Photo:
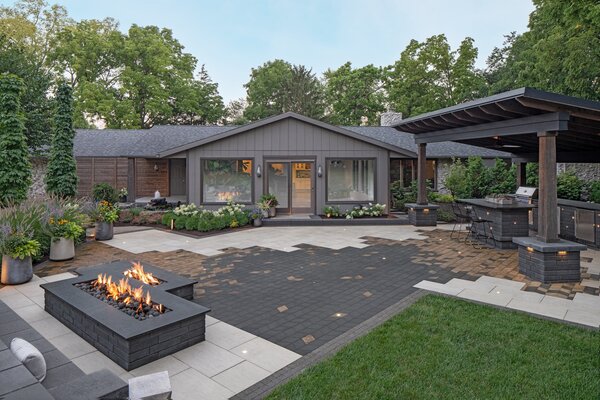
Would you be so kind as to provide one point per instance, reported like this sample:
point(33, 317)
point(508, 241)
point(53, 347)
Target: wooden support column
point(548, 201)
point(421, 166)
point(521, 174)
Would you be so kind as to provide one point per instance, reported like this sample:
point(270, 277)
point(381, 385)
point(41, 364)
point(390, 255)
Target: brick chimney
point(390, 118)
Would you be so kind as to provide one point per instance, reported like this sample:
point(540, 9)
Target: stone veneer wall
point(38, 174)
point(585, 171)
point(443, 167)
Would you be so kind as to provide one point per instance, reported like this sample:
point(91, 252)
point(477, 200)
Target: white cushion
point(30, 357)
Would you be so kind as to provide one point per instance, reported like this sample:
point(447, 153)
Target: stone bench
point(64, 380)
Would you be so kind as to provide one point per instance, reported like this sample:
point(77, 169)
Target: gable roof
point(165, 140)
point(276, 118)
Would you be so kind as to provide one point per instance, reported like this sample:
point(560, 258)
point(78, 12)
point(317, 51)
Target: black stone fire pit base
point(127, 341)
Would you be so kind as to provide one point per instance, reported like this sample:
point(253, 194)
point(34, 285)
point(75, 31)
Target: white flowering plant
point(188, 210)
point(371, 210)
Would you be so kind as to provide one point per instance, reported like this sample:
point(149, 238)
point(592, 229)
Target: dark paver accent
point(263, 388)
point(315, 284)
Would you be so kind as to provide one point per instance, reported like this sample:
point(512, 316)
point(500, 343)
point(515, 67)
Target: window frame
point(252, 180)
point(328, 201)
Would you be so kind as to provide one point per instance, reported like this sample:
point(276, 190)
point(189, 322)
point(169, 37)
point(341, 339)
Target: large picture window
point(227, 179)
point(350, 180)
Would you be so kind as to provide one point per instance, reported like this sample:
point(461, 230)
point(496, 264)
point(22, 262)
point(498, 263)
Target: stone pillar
point(548, 201)
point(521, 174)
point(421, 166)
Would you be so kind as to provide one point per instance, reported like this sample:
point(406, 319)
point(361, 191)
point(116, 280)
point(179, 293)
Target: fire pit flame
point(137, 272)
point(132, 301)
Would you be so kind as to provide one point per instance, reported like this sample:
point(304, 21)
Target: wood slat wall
point(147, 180)
point(93, 170)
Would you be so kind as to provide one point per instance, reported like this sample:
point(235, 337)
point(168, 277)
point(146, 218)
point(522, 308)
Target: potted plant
point(264, 207)
point(63, 232)
point(123, 195)
point(106, 214)
point(331, 211)
point(256, 216)
point(17, 249)
point(271, 200)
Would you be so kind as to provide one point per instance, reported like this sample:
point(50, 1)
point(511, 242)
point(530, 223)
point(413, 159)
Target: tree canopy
point(278, 86)
point(559, 53)
point(354, 93)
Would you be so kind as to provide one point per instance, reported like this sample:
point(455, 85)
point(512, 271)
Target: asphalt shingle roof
point(150, 142)
point(405, 140)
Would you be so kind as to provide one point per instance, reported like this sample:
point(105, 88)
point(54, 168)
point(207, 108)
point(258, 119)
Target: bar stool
point(486, 230)
point(462, 217)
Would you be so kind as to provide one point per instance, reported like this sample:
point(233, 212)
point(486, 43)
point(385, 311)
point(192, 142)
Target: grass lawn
point(443, 348)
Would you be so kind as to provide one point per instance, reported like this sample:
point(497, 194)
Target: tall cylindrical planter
point(104, 230)
point(15, 270)
point(62, 249)
point(272, 212)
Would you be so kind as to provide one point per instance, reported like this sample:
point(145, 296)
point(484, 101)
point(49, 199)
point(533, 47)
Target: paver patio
point(300, 287)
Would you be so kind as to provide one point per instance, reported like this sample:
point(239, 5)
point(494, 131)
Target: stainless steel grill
point(526, 194)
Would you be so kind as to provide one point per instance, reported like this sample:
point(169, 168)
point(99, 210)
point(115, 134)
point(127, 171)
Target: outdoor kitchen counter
point(506, 220)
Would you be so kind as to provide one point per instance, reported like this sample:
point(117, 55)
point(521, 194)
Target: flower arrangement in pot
point(256, 216)
point(17, 247)
point(264, 207)
point(106, 214)
point(63, 232)
point(270, 200)
point(123, 195)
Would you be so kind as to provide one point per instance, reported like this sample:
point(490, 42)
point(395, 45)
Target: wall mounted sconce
point(155, 167)
point(258, 171)
point(319, 171)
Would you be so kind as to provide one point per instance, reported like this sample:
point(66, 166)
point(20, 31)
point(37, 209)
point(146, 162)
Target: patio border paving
point(263, 388)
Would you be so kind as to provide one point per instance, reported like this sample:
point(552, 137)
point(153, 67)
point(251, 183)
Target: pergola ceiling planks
point(516, 117)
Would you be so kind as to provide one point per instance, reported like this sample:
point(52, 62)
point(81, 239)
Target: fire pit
point(133, 314)
point(133, 302)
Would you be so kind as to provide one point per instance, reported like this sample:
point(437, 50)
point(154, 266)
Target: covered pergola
point(535, 126)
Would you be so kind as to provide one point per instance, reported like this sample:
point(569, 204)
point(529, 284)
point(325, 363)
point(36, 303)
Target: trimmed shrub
point(441, 197)
point(569, 186)
point(167, 218)
point(456, 180)
point(180, 221)
point(594, 191)
point(192, 223)
point(445, 216)
point(104, 192)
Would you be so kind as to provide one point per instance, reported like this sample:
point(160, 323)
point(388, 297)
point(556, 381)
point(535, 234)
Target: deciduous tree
point(277, 87)
point(560, 52)
point(429, 76)
point(352, 94)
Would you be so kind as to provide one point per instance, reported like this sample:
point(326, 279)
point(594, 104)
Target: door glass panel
point(301, 185)
point(278, 178)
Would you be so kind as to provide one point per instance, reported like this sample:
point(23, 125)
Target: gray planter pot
point(16, 271)
point(62, 249)
point(265, 213)
point(104, 230)
point(272, 212)
point(257, 222)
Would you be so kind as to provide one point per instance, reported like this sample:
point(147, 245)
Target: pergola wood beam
point(518, 126)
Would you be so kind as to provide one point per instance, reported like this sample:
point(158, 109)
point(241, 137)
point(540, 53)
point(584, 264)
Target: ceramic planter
point(265, 213)
point(15, 270)
point(257, 222)
point(104, 230)
point(62, 249)
point(272, 212)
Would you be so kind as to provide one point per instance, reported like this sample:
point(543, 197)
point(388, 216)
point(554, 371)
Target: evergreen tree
point(15, 168)
point(61, 178)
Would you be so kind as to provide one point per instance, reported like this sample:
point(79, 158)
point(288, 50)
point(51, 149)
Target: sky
point(232, 36)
